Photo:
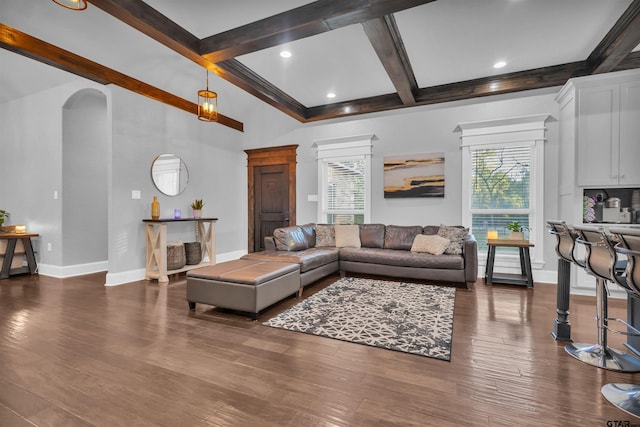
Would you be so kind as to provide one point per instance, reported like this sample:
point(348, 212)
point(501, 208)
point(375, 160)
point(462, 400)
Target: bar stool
point(565, 248)
point(601, 262)
point(627, 396)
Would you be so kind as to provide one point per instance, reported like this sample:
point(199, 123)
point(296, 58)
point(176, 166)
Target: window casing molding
point(345, 148)
point(520, 131)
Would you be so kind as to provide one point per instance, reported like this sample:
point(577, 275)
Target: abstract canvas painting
point(414, 175)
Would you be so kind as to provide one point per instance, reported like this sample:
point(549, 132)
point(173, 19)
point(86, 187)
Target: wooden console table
point(10, 251)
point(525, 263)
point(156, 258)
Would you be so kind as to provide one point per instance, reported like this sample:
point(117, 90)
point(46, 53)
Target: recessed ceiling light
point(285, 54)
point(331, 95)
point(499, 64)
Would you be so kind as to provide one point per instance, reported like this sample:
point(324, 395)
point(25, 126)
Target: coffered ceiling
point(373, 55)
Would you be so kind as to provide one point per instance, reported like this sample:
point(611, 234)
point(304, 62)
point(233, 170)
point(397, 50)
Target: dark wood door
point(271, 201)
point(272, 192)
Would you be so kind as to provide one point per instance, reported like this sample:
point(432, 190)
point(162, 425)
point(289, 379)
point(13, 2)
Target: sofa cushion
point(400, 237)
point(347, 236)
point(456, 234)
point(308, 259)
point(372, 235)
point(309, 231)
point(430, 244)
point(325, 235)
point(290, 238)
point(430, 229)
point(402, 258)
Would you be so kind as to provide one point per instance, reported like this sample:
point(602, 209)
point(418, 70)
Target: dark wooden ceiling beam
point(149, 21)
point(386, 41)
point(619, 42)
point(244, 78)
point(304, 21)
point(144, 18)
point(31, 47)
point(495, 85)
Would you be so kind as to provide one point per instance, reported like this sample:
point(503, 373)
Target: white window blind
point(346, 191)
point(344, 179)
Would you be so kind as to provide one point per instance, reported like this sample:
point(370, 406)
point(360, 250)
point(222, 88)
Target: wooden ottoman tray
point(243, 285)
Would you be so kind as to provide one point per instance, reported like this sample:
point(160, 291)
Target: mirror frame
point(168, 185)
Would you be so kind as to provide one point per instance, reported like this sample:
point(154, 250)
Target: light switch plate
point(135, 194)
point(312, 197)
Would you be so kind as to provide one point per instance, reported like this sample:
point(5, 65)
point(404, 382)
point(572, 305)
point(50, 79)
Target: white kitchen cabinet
point(603, 123)
point(629, 169)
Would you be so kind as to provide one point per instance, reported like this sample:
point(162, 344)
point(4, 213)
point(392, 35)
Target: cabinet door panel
point(598, 135)
point(630, 134)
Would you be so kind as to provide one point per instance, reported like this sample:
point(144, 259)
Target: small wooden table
point(156, 246)
point(526, 278)
point(12, 239)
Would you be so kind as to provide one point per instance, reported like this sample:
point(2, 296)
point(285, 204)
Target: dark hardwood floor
point(73, 352)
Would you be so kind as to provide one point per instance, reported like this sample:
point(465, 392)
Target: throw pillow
point(456, 235)
point(325, 235)
point(289, 239)
point(431, 244)
point(347, 236)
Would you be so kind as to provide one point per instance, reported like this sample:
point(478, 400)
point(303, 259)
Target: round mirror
point(169, 174)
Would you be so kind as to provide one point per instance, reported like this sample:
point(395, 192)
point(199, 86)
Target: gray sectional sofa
point(377, 249)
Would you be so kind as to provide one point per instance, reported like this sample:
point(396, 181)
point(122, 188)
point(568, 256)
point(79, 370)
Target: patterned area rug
point(408, 317)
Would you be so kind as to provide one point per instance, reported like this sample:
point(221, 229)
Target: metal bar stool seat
point(627, 396)
point(602, 262)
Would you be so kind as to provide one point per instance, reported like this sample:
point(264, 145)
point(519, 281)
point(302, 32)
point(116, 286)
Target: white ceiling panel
point(341, 61)
point(457, 40)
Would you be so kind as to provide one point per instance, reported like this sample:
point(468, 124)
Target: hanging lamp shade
point(72, 4)
point(207, 104)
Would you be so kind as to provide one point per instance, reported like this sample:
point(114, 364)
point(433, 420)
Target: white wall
point(143, 129)
point(414, 130)
point(31, 166)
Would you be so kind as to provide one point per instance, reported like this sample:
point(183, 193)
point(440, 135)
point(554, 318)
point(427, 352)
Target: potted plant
point(197, 208)
point(517, 230)
point(3, 214)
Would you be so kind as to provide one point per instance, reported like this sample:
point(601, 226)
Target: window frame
point(340, 149)
point(517, 131)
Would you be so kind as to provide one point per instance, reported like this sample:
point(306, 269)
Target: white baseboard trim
point(115, 279)
point(124, 277)
point(62, 272)
point(229, 256)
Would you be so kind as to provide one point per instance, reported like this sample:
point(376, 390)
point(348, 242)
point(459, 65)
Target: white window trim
point(350, 147)
point(526, 130)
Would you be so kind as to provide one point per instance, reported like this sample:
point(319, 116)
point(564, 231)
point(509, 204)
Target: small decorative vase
point(155, 208)
point(517, 235)
point(197, 213)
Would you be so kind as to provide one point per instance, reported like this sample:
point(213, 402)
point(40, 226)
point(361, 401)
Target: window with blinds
point(500, 188)
point(345, 191)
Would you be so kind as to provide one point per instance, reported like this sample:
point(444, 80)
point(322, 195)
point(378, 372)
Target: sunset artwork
point(414, 175)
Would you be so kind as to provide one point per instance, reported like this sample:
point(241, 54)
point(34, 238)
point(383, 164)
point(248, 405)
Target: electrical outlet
point(49, 247)
point(55, 194)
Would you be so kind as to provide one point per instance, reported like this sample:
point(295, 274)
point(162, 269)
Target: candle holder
point(492, 234)
point(177, 214)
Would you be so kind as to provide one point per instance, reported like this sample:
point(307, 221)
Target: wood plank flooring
point(76, 353)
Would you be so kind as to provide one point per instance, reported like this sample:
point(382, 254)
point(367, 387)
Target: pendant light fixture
point(72, 4)
point(207, 104)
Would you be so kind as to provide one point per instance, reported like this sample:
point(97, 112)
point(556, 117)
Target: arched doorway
point(85, 154)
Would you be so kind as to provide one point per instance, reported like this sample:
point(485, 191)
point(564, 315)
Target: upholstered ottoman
point(243, 285)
